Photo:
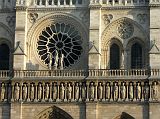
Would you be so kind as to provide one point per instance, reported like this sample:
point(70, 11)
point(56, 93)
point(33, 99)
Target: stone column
point(50, 92)
point(43, 92)
point(21, 84)
point(36, 93)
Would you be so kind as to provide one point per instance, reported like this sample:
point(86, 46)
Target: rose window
point(125, 29)
point(57, 40)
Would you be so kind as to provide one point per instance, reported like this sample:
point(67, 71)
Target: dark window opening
point(136, 56)
point(114, 57)
point(4, 57)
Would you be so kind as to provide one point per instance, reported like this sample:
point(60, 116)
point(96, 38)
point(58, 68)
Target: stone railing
point(121, 72)
point(120, 2)
point(49, 73)
point(81, 73)
point(75, 91)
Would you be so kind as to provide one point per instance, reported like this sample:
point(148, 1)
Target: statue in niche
point(92, 91)
point(16, 92)
point(50, 57)
point(46, 91)
point(154, 91)
point(100, 91)
point(24, 91)
point(83, 91)
point(123, 91)
point(115, 92)
point(108, 91)
point(138, 90)
point(61, 61)
point(56, 59)
point(61, 91)
point(131, 91)
point(77, 91)
point(69, 92)
point(9, 91)
point(54, 91)
point(146, 91)
point(3, 91)
point(32, 92)
point(40, 90)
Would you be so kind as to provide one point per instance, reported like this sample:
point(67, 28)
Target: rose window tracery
point(59, 45)
point(125, 29)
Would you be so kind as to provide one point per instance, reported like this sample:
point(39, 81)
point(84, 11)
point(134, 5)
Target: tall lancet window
point(136, 56)
point(4, 57)
point(114, 56)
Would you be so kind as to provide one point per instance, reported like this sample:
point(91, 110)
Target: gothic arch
point(51, 19)
point(135, 31)
point(106, 52)
point(124, 115)
point(53, 113)
point(143, 45)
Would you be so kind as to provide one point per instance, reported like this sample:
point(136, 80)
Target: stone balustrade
point(80, 73)
point(72, 91)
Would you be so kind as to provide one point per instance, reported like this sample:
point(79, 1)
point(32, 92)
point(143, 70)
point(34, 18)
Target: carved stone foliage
point(142, 18)
point(32, 17)
point(107, 18)
point(125, 29)
point(11, 20)
point(79, 91)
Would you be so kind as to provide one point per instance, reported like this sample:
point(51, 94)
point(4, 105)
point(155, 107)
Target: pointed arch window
point(114, 56)
point(4, 57)
point(136, 56)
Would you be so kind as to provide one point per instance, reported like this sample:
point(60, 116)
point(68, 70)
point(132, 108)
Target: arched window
point(136, 56)
point(114, 56)
point(4, 57)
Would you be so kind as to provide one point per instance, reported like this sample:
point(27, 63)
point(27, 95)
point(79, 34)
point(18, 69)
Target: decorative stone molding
point(11, 20)
point(125, 29)
point(32, 17)
point(107, 18)
point(142, 18)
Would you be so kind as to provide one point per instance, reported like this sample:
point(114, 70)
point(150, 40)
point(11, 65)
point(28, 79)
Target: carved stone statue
point(100, 91)
point(131, 91)
point(108, 91)
point(50, 57)
point(9, 91)
point(46, 91)
point(154, 91)
point(83, 91)
point(3, 91)
point(56, 59)
point(123, 91)
point(61, 91)
point(54, 91)
point(115, 92)
point(77, 91)
point(32, 92)
point(16, 92)
point(24, 91)
point(69, 92)
point(138, 90)
point(146, 91)
point(92, 91)
point(61, 61)
point(39, 91)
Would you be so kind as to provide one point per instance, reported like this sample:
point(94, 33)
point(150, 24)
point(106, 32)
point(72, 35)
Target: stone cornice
point(21, 8)
point(55, 8)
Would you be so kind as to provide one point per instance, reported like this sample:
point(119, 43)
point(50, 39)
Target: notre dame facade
point(79, 59)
